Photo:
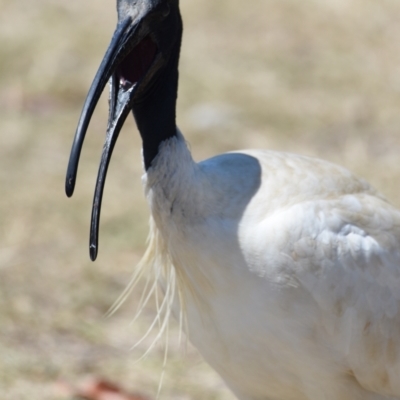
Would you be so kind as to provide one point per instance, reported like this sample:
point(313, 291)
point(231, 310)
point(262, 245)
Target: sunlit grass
point(315, 77)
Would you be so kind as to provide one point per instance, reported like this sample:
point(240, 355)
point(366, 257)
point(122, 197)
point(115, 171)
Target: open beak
point(129, 60)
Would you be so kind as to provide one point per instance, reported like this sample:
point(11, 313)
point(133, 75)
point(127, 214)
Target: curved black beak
point(122, 90)
point(119, 110)
point(107, 66)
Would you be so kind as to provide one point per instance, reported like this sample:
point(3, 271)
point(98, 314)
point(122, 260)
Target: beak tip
point(69, 186)
point(93, 252)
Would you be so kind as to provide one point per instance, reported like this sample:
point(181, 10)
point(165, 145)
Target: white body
point(289, 268)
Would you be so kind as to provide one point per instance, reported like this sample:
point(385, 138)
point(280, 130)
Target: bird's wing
point(315, 227)
point(345, 252)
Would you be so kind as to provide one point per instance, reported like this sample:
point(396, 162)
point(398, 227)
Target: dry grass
point(316, 77)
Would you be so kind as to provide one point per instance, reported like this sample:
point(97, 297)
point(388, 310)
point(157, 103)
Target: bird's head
point(146, 36)
point(144, 45)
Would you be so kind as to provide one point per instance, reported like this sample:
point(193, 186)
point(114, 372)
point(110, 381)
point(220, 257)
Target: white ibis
point(288, 267)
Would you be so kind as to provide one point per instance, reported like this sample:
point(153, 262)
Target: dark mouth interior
point(137, 62)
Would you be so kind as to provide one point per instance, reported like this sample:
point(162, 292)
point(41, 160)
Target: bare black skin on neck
point(155, 114)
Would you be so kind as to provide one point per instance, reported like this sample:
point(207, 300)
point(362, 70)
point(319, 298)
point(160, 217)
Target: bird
point(284, 268)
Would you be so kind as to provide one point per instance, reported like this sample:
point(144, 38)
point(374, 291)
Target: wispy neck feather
point(172, 168)
point(173, 186)
point(170, 183)
point(169, 168)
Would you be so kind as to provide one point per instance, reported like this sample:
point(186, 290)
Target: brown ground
point(315, 77)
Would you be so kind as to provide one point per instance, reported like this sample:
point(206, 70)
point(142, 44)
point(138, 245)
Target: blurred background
point(316, 77)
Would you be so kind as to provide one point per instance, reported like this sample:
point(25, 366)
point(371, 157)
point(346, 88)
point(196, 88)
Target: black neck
point(156, 114)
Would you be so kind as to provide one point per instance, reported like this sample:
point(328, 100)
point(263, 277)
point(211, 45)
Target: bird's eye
point(166, 10)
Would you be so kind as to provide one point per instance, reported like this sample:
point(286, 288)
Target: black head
point(153, 29)
point(144, 45)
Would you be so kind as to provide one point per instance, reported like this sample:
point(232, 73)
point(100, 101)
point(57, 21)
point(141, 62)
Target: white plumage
point(289, 268)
